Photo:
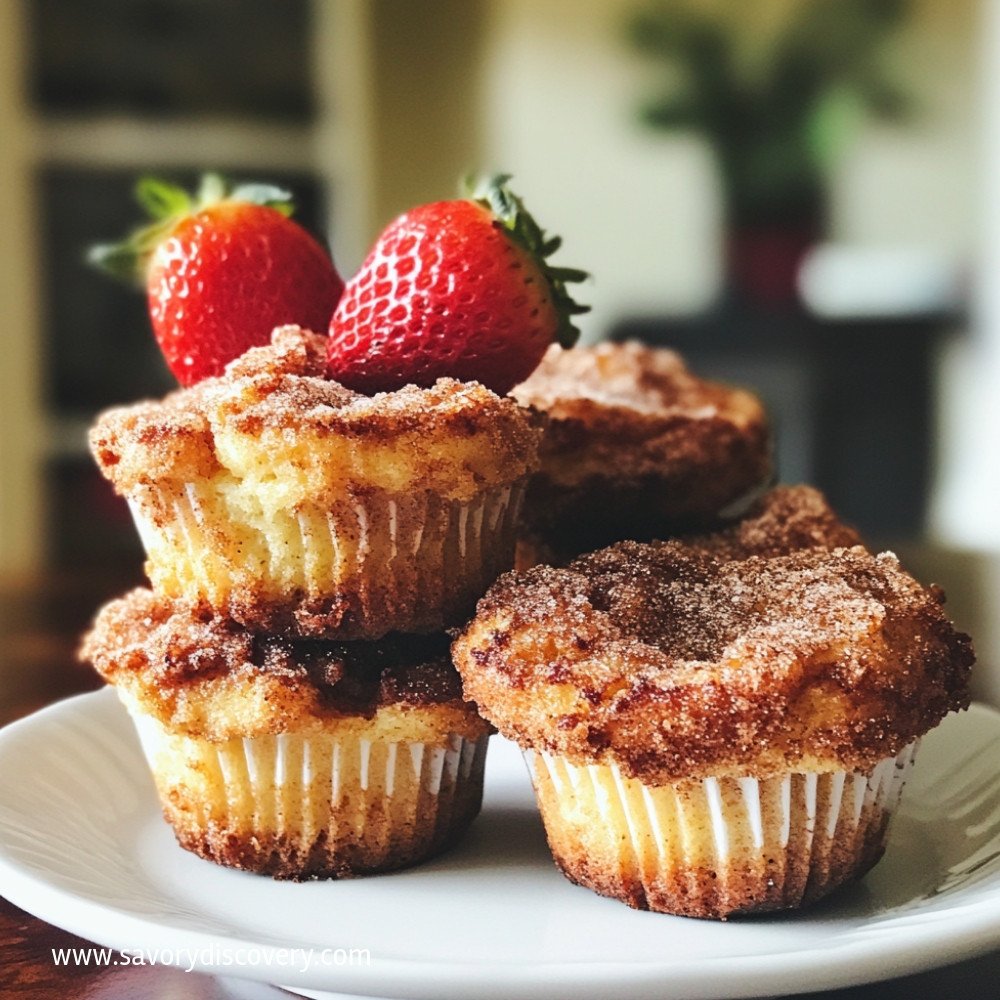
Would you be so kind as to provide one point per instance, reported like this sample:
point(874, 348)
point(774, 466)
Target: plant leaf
point(119, 260)
point(212, 189)
point(160, 198)
point(269, 195)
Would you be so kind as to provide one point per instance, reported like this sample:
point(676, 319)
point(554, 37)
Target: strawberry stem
point(508, 209)
point(167, 204)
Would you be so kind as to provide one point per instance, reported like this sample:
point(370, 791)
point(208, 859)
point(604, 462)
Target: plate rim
point(974, 929)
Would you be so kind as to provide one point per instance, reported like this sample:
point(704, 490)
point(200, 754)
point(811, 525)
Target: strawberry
point(455, 288)
point(221, 270)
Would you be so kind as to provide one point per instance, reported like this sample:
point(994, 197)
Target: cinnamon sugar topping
point(675, 664)
point(630, 375)
point(636, 446)
point(193, 669)
point(782, 520)
point(454, 437)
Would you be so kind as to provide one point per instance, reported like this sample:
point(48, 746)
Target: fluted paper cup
point(316, 805)
point(720, 846)
point(366, 565)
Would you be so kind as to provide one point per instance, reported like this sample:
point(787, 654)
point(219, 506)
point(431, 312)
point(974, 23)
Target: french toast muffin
point(635, 447)
point(710, 735)
point(782, 520)
point(282, 500)
point(294, 758)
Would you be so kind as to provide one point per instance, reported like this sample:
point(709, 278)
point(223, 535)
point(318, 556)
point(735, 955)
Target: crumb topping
point(634, 439)
point(783, 520)
point(184, 664)
point(455, 437)
point(677, 664)
point(646, 380)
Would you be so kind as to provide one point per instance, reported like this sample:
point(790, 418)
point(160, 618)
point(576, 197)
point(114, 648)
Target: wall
point(426, 103)
point(968, 503)
point(917, 183)
point(21, 543)
point(638, 209)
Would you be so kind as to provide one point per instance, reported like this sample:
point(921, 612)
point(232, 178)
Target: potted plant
point(776, 113)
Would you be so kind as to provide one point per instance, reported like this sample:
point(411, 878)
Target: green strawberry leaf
point(212, 189)
point(568, 274)
point(161, 199)
point(508, 209)
point(116, 259)
point(269, 195)
point(128, 260)
point(167, 204)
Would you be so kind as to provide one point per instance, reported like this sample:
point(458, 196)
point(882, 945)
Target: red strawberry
point(457, 288)
point(221, 271)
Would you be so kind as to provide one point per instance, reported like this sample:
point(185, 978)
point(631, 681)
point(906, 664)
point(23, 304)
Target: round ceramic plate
point(83, 846)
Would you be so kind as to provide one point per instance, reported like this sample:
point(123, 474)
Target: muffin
point(712, 736)
point(782, 520)
point(635, 447)
point(294, 758)
point(282, 500)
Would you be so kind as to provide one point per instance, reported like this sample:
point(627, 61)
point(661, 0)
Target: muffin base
point(368, 565)
point(720, 847)
point(297, 806)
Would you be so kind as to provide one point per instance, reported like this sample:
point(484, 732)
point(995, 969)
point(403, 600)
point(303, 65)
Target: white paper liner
point(416, 558)
point(326, 800)
point(719, 845)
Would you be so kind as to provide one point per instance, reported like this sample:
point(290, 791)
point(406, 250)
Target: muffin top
point(274, 416)
point(782, 520)
point(636, 446)
point(677, 664)
point(637, 407)
point(204, 676)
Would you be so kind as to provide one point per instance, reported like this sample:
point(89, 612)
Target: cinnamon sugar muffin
point(780, 521)
point(294, 758)
point(712, 736)
point(291, 504)
point(635, 447)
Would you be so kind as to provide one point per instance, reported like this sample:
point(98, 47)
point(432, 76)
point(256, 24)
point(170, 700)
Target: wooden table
point(40, 624)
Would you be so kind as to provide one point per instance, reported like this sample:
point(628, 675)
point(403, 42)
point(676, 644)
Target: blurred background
point(800, 195)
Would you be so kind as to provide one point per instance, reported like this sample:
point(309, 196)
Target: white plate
point(82, 845)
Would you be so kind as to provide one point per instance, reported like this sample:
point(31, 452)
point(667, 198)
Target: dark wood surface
point(40, 625)
point(41, 622)
point(28, 970)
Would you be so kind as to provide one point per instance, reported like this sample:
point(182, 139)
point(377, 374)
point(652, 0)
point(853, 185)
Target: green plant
point(776, 113)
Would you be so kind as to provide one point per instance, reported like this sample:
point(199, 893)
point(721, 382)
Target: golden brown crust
point(783, 520)
point(636, 446)
point(204, 675)
point(320, 439)
point(674, 664)
point(611, 385)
